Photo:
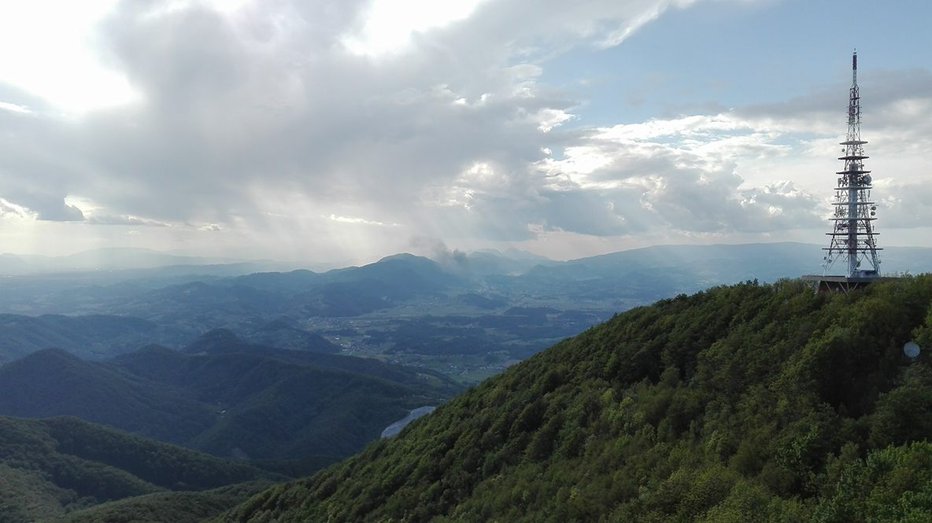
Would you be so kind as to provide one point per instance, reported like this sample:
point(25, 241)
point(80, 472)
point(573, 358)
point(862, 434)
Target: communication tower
point(853, 239)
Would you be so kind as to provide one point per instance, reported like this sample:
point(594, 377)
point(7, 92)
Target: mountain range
point(468, 315)
point(124, 259)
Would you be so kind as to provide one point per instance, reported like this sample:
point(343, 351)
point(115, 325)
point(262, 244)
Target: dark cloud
point(53, 210)
point(224, 114)
point(38, 165)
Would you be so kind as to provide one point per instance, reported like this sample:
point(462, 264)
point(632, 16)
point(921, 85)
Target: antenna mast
point(853, 236)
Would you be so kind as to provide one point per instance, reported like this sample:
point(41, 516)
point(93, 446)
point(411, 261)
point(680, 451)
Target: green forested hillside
point(168, 507)
point(295, 410)
point(52, 382)
point(53, 466)
point(743, 403)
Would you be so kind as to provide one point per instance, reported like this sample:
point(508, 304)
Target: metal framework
point(853, 236)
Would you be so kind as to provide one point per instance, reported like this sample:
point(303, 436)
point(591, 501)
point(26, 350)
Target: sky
point(341, 131)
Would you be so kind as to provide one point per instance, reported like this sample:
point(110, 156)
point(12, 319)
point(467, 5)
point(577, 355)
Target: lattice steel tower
point(853, 238)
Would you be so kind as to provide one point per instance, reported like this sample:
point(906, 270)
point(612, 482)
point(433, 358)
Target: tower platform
point(843, 284)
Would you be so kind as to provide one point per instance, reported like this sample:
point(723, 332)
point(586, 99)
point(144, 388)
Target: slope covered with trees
point(168, 507)
point(53, 466)
point(742, 403)
point(300, 409)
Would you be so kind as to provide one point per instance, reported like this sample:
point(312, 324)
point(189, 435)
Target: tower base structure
point(843, 284)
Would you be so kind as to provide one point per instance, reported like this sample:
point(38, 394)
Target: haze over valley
point(467, 316)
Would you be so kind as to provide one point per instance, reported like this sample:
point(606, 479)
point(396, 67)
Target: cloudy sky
point(345, 130)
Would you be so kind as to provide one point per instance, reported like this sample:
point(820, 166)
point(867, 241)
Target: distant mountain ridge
point(482, 262)
point(88, 335)
point(106, 259)
point(98, 336)
point(450, 314)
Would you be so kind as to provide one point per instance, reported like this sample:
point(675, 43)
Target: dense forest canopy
point(740, 403)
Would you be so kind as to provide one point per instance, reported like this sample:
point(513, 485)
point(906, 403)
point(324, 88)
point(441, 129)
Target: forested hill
point(742, 403)
point(51, 467)
point(229, 398)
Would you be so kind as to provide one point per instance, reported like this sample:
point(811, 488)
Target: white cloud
point(125, 219)
point(389, 25)
point(49, 51)
point(11, 210)
point(359, 221)
point(622, 33)
point(16, 108)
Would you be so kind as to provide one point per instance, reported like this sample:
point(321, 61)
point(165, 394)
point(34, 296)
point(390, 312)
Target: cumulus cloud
point(238, 104)
point(682, 174)
point(265, 123)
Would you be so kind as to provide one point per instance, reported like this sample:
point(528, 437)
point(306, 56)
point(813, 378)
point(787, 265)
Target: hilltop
point(747, 402)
